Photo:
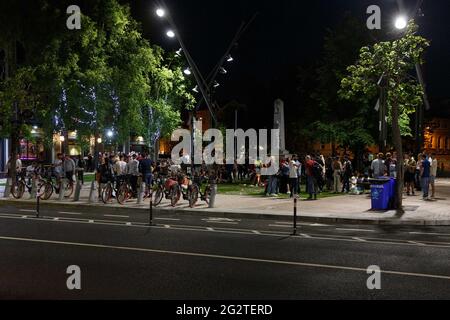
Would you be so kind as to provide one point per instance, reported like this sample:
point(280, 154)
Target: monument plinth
point(279, 123)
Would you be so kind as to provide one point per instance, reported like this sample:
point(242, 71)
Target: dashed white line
point(359, 239)
point(280, 226)
point(430, 234)
point(27, 210)
point(167, 226)
point(70, 213)
point(115, 216)
point(91, 221)
point(362, 230)
point(417, 243)
point(256, 232)
point(168, 219)
point(305, 235)
point(210, 229)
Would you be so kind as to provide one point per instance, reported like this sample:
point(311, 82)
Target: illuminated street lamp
point(170, 34)
point(160, 12)
point(401, 22)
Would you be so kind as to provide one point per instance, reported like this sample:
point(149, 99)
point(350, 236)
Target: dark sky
point(285, 33)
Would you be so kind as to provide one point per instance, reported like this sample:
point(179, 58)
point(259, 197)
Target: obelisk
point(279, 123)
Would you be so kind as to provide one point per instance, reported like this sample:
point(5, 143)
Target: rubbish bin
point(381, 193)
point(393, 193)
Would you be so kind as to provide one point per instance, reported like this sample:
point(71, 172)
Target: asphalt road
point(188, 257)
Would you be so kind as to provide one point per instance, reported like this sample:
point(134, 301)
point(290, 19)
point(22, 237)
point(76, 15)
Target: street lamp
point(170, 34)
point(160, 12)
point(229, 58)
point(110, 134)
point(401, 22)
point(187, 71)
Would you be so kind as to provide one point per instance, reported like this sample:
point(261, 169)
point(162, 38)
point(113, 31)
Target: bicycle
point(168, 188)
point(197, 191)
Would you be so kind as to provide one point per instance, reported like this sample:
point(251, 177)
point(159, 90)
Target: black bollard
point(151, 207)
point(295, 216)
point(38, 197)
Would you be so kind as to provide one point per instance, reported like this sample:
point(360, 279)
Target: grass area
point(249, 190)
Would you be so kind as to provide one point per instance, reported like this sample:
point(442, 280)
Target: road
point(189, 257)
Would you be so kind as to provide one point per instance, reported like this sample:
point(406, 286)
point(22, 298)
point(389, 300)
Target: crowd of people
point(315, 172)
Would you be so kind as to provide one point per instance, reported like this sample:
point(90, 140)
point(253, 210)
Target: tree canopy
point(103, 76)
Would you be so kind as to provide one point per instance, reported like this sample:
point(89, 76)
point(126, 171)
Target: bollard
point(62, 188)
point(212, 199)
point(295, 215)
point(7, 192)
point(151, 208)
point(33, 193)
point(141, 192)
point(38, 209)
point(92, 193)
point(78, 187)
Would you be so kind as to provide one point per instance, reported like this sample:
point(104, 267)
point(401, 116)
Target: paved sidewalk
point(345, 209)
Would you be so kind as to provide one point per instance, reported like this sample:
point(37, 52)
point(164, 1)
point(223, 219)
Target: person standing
point(378, 167)
point(81, 167)
point(348, 173)
point(133, 172)
point(425, 173)
point(311, 180)
point(293, 176)
point(337, 172)
point(146, 169)
point(410, 169)
point(69, 168)
point(433, 174)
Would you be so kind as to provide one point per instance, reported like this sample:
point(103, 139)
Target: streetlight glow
point(187, 71)
point(170, 34)
point(230, 58)
point(160, 12)
point(110, 134)
point(401, 22)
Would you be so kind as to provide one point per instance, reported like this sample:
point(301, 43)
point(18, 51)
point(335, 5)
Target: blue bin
point(381, 193)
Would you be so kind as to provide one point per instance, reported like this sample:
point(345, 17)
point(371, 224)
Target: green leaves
point(393, 61)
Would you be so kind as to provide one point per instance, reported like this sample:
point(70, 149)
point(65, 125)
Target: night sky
point(285, 34)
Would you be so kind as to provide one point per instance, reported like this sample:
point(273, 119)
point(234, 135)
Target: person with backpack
point(348, 173)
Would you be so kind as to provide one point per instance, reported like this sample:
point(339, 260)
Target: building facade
point(437, 140)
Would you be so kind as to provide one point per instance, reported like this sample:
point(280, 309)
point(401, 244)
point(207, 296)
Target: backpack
point(317, 170)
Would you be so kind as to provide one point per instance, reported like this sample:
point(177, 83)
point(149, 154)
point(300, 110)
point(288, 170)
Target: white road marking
point(168, 219)
point(210, 229)
point(280, 226)
point(256, 232)
point(167, 226)
point(55, 219)
point(418, 243)
point(223, 222)
point(91, 221)
point(27, 210)
point(363, 230)
point(359, 239)
point(305, 235)
point(115, 216)
point(223, 257)
point(24, 217)
point(128, 223)
point(430, 234)
point(70, 213)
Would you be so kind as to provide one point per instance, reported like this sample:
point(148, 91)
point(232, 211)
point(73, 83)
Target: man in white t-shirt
point(433, 174)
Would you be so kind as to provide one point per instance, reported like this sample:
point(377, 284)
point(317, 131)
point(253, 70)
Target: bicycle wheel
point(45, 191)
point(18, 189)
point(175, 195)
point(107, 194)
point(122, 194)
point(68, 190)
point(159, 196)
point(207, 195)
point(193, 195)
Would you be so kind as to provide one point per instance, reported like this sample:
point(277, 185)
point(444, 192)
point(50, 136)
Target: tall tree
point(394, 61)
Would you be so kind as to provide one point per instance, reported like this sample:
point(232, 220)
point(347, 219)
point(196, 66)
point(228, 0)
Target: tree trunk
point(397, 140)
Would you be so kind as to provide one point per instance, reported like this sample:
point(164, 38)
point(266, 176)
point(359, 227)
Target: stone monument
point(279, 123)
